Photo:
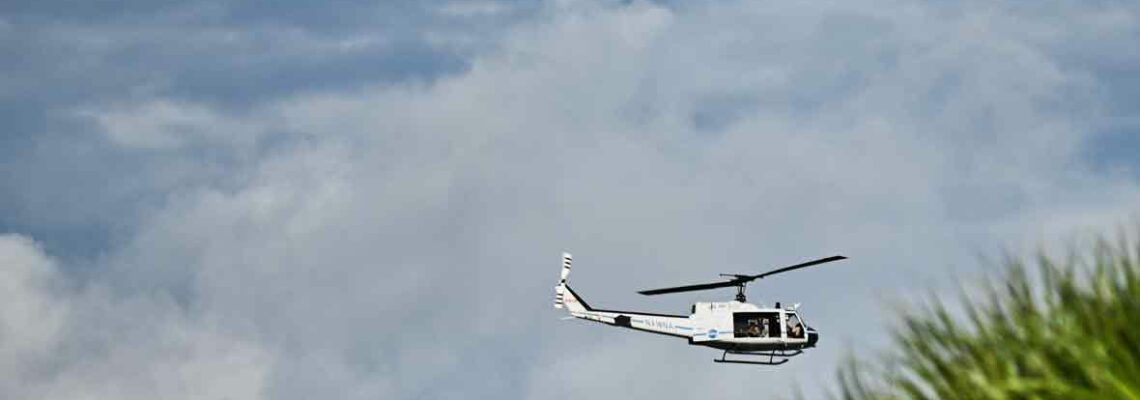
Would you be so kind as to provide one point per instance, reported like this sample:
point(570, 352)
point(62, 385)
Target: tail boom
point(666, 324)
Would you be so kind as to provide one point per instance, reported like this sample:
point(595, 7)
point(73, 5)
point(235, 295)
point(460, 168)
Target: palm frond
point(1069, 330)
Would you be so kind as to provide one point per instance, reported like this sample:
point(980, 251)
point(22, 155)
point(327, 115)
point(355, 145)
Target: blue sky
point(367, 200)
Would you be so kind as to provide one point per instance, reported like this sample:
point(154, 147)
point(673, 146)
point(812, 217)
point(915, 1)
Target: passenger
point(753, 329)
point(764, 329)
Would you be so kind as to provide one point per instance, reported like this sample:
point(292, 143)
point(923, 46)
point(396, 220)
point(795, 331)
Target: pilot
point(796, 330)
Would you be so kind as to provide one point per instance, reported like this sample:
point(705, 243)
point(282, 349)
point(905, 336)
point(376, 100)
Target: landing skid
point(772, 357)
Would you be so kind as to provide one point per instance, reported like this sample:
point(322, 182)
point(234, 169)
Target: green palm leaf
point(1063, 330)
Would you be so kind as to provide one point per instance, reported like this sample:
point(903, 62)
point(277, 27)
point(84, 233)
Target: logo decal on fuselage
point(712, 333)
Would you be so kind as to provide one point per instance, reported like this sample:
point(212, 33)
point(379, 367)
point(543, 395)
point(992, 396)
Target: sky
point(363, 200)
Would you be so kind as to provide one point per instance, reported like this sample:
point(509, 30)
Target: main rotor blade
point(690, 288)
point(739, 279)
point(798, 266)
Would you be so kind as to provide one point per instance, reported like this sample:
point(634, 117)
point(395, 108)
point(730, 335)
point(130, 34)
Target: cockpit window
point(795, 327)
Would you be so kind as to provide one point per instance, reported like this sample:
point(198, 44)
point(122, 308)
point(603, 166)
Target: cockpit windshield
point(795, 327)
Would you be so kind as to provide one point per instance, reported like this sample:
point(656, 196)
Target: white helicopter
point(737, 327)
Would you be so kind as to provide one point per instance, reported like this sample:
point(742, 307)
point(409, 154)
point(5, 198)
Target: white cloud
point(164, 124)
point(56, 343)
point(30, 316)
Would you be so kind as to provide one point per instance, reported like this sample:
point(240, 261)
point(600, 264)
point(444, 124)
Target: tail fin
point(560, 292)
point(564, 297)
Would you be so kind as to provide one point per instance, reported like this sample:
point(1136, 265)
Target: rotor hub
point(740, 293)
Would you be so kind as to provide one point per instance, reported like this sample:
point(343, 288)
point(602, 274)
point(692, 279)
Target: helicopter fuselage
point(746, 327)
point(732, 325)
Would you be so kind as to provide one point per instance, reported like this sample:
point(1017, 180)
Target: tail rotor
point(560, 290)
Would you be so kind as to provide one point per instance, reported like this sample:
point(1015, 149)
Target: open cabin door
point(756, 324)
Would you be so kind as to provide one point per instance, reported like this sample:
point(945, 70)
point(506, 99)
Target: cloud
point(400, 240)
point(163, 124)
point(473, 9)
point(59, 342)
point(31, 315)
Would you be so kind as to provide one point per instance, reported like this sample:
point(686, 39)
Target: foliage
point(1058, 329)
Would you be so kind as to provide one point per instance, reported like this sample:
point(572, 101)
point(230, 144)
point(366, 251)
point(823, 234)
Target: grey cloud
point(227, 58)
point(401, 242)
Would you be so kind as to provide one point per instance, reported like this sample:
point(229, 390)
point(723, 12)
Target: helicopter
point(737, 327)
